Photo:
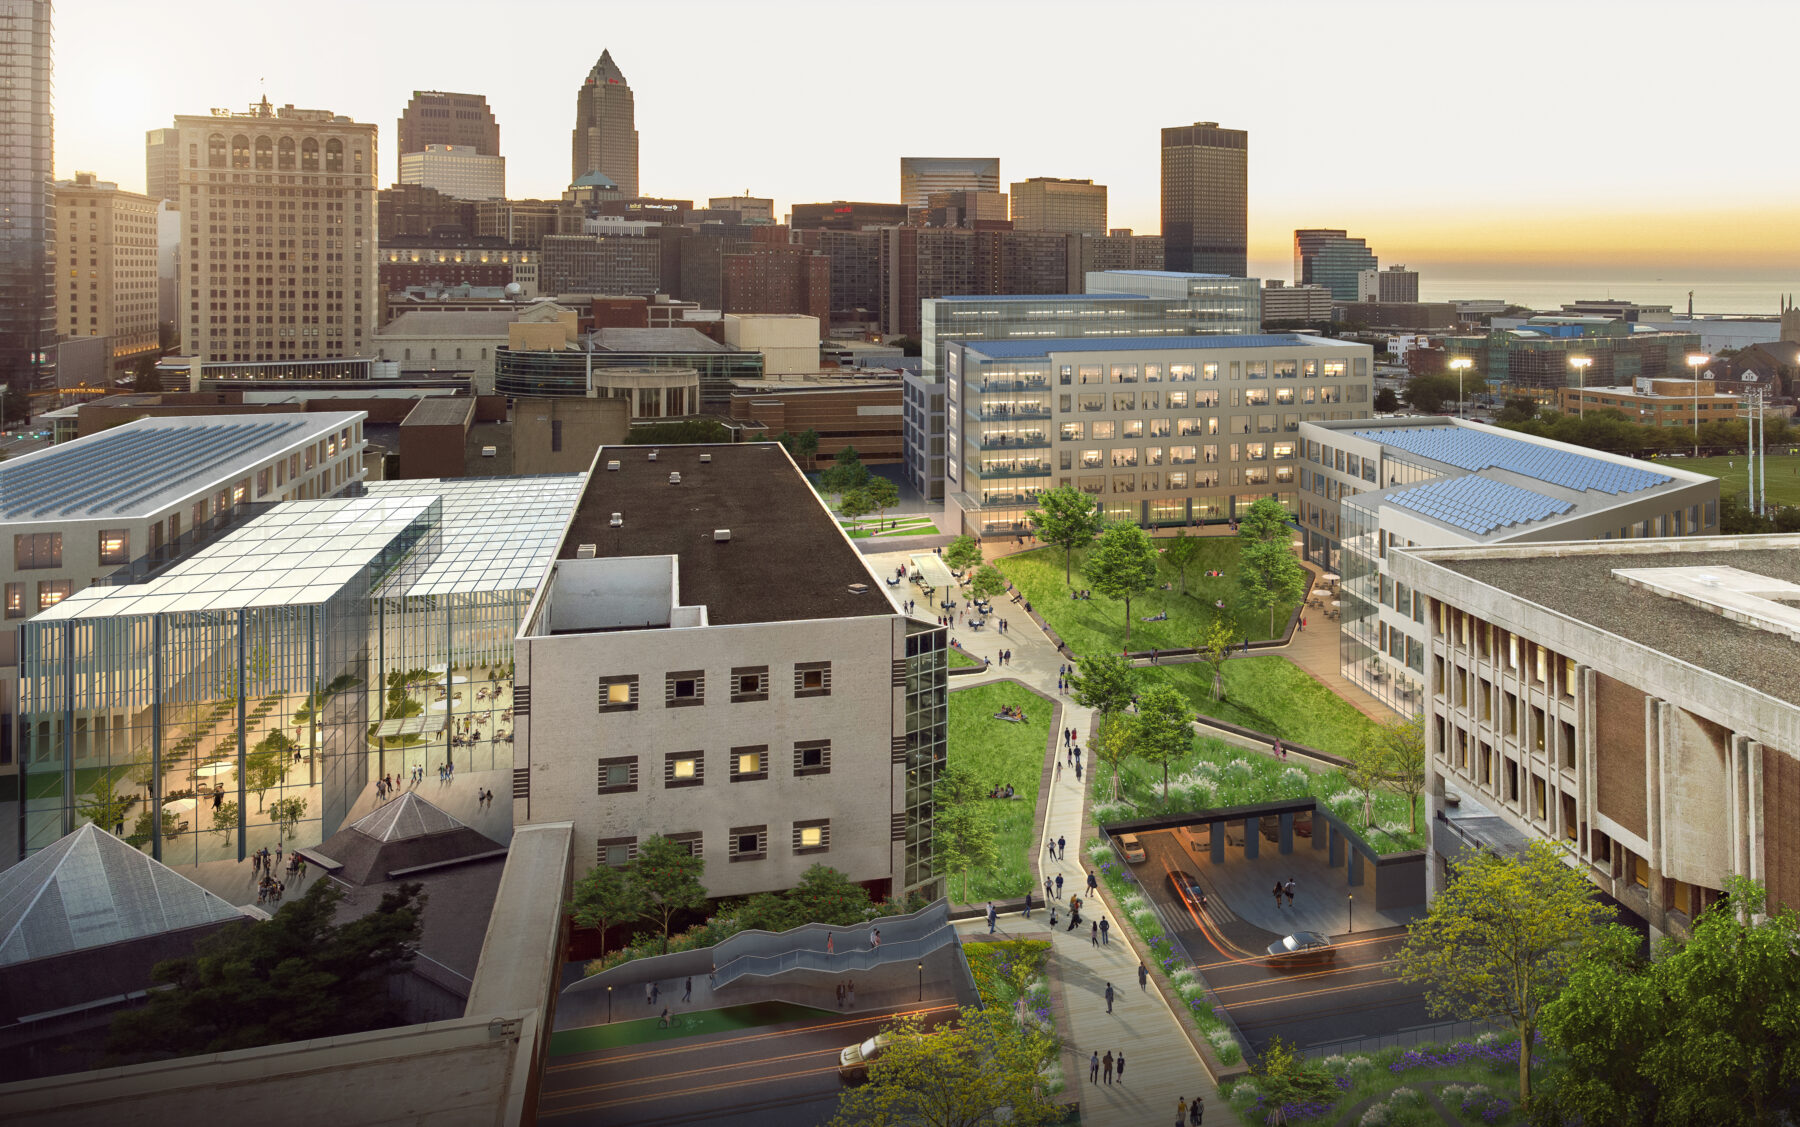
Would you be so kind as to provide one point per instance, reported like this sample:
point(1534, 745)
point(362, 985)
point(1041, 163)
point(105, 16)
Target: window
point(812, 679)
point(812, 757)
point(15, 600)
point(53, 591)
point(615, 852)
point(750, 764)
point(685, 689)
point(619, 694)
point(37, 550)
point(749, 683)
point(749, 843)
point(683, 769)
point(690, 840)
point(813, 836)
point(617, 775)
point(115, 545)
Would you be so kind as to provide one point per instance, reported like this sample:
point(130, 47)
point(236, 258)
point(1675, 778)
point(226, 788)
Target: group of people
point(1005, 657)
point(1284, 888)
point(264, 866)
point(1012, 712)
point(1002, 792)
point(1081, 594)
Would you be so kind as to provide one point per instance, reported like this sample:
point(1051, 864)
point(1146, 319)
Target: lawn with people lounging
point(961, 660)
point(1001, 753)
point(1097, 624)
point(1271, 695)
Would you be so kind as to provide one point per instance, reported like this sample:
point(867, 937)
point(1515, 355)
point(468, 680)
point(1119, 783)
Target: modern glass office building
point(27, 197)
point(247, 695)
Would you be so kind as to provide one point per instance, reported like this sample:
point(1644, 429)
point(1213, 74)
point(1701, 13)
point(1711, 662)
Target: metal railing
point(1406, 1038)
point(860, 959)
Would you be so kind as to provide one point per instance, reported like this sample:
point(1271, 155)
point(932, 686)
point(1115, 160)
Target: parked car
point(1132, 848)
point(854, 1060)
point(1303, 948)
point(1187, 889)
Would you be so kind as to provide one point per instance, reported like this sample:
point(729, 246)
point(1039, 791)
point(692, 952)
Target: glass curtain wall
point(1007, 416)
point(927, 675)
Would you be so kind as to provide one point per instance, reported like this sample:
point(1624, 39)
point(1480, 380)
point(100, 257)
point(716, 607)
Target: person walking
point(1093, 882)
point(1062, 847)
point(1047, 889)
point(1028, 903)
point(850, 992)
point(1278, 894)
point(1143, 976)
point(1094, 935)
point(1288, 890)
point(1106, 1066)
point(1181, 1113)
point(1059, 886)
point(1050, 849)
point(1059, 770)
point(1105, 932)
point(830, 944)
point(1094, 1068)
point(993, 917)
point(840, 995)
point(1119, 1066)
point(1078, 770)
point(1197, 1111)
point(688, 994)
point(649, 994)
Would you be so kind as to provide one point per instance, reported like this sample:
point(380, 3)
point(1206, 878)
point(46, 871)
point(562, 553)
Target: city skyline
point(1449, 185)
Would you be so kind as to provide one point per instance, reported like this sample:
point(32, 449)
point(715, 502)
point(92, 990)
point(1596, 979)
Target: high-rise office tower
point(1331, 258)
point(1045, 203)
point(457, 171)
point(921, 176)
point(279, 206)
point(109, 238)
point(162, 163)
point(1206, 199)
point(605, 137)
point(27, 197)
point(434, 117)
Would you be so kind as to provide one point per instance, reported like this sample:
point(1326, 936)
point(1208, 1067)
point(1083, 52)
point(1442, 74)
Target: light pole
point(609, 1005)
point(1580, 364)
point(1695, 359)
point(1351, 898)
point(921, 982)
point(1461, 364)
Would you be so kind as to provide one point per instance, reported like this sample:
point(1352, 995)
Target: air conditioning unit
point(859, 588)
point(674, 477)
point(617, 521)
point(653, 455)
point(706, 457)
point(586, 551)
point(721, 535)
point(613, 466)
point(489, 451)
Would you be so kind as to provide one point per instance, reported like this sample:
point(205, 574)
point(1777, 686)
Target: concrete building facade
point(1206, 199)
point(434, 117)
point(162, 164)
point(1072, 207)
point(1396, 283)
point(279, 206)
point(458, 171)
point(1628, 701)
point(1282, 302)
point(921, 176)
point(107, 250)
point(1657, 403)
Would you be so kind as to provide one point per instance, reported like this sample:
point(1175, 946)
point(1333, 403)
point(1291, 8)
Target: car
point(1132, 848)
point(1302, 948)
point(1187, 889)
point(854, 1060)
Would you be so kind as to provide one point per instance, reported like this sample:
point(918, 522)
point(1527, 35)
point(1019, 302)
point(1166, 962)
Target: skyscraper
point(921, 176)
point(1206, 199)
point(605, 138)
point(278, 171)
point(1332, 259)
point(434, 117)
point(1045, 203)
point(117, 296)
point(27, 197)
point(162, 163)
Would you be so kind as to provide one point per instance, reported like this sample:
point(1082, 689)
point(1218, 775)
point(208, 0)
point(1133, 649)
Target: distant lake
point(1761, 298)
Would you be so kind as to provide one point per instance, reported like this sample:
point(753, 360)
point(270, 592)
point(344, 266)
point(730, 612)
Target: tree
point(1365, 769)
point(988, 582)
point(957, 785)
point(827, 896)
point(604, 897)
point(1386, 401)
point(1402, 743)
point(293, 977)
point(962, 553)
point(1708, 1032)
point(666, 879)
point(1502, 938)
point(962, 838)
point(984, 1069)
point(1182, 552)
point(1165, 729)
point(145, 376)
point(1266, 521)
point(266, 765)
point(287, 813)
point(225, 820)
point(1113, 741)
point(855, 504)
point(1285, 1077)
point(676, 431)
point(1067, 518)
point(1122, 566)
point(845, 473)
point(1214, 647)
point(1104, 682)
point(1271, 576)
point(802, 447)
point(882, 494)
point(1518, 409)
point(908, 346)
point(102, 807)
point(1430, 393)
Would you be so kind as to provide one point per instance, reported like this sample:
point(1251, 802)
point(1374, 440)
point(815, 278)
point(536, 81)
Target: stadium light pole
point(1461, 364)
point(1580, 364)
point(1695, 359)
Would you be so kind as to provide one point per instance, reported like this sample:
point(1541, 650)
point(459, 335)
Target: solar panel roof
point(1478, 505)
point(149, 464)
point(1475, 450)
point(1017, 349)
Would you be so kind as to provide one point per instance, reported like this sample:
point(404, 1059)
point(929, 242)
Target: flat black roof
point(1581, 585)
point(786, 560)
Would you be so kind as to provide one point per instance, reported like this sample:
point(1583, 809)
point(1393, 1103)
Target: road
point(13, 443)
point(1354, 996)
point(774, 1077)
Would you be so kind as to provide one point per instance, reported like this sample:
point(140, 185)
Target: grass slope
point(1097, 625)
point(1272, 695)
point(998, 753)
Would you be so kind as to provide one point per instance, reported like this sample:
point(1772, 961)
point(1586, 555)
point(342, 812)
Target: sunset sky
point(1522, 140)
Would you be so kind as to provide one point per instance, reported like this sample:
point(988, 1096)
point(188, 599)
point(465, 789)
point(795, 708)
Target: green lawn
point(640, 1030)
point(1734, 474)
point(1272, 695)
point(999, 752)
point(961, 660)
point(864, 527)
point(1097, 625)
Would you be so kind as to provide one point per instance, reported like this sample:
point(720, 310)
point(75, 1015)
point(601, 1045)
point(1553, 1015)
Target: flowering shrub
point(1492, 1051)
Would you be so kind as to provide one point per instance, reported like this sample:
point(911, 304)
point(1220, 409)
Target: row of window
point(747, 764)
point(687, 688)
point(742, 843)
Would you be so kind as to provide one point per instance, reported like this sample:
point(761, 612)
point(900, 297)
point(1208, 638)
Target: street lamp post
point(921, 982)
point(1695, 359)
point(1461, 364)
point(1351, 897)
point(609, 1005)
point(1580, 364)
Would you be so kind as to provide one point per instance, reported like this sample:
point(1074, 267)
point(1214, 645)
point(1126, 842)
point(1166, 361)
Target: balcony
point(1013, 441)
point(995, 470)
point(1009, 414)
point(1001, 384)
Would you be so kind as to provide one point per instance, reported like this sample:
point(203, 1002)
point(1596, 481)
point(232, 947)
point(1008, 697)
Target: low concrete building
point(789, 342)
point(1655, 403)
point(859, 411)
point(710, 659)
point(1633, 701)
point(458, 342)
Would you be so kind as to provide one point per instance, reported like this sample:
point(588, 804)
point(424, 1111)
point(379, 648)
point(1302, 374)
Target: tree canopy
point(1264, 521)
point(1113, 741)
point(1214, 647)
point(1502, 938)
point(987, 582)
point(1122, 566)
point(1104, 682)
point(295, 976)
point(881, 494)
point(1067, 518)
point(667, 880)
point(1181, 552)
point(676, 431)
point(1270, 576)
point(962, 552)
point(845, 473)
point(984, 1069)
point(1386, 401)
point(1165, 730)
point(604, 897)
